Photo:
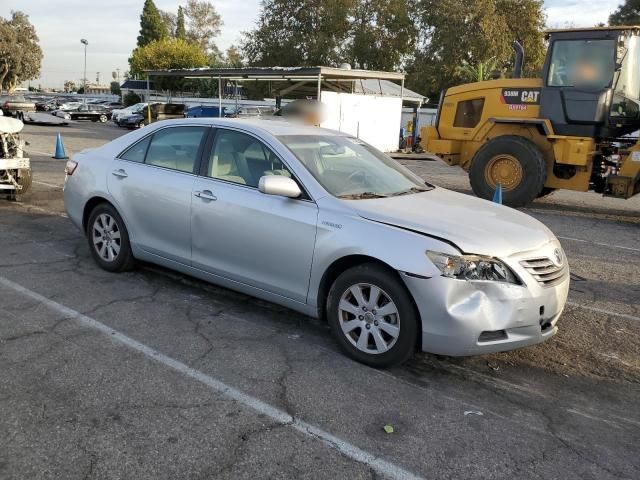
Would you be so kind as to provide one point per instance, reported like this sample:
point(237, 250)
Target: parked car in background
point(325, 224)
point(159, 111)
point(252, 111)
point(126, 111)
point(205, 111)
point(111, 105)
point(95, 113)
point(69, 105)
point(46, 105)
point(16, 105)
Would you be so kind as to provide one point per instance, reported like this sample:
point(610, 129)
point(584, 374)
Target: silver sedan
point(324, 224)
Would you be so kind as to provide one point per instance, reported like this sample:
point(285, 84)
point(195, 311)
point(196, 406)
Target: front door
point(151, 183)
point(244, 235)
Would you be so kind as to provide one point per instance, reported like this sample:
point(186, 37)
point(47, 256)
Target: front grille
point(544, 270)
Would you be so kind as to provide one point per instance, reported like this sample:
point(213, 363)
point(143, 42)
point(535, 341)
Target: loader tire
point(546, 191)
point(514, 162)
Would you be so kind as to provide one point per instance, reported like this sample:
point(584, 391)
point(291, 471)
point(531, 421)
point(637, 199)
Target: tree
point(169, 19)
point(233, 57)
point(204, 24)
point(299, 32)
point(69, 86)
point(20, 53)
point(131, 98)
point(180, 32)
point(115, 88)
point(382, 34)
point(152, 27)
point(455, 33)
point(167, 54)
point(626, 14)
point(480, 72)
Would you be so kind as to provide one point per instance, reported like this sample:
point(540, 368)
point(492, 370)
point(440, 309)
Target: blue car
point(205, 111)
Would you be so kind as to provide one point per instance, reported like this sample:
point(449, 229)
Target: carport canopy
point(307, 80)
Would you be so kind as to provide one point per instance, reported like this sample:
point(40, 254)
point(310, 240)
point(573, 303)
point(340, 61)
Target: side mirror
point(279, 185)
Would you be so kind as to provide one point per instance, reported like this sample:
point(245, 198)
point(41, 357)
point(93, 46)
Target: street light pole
point(84, 79)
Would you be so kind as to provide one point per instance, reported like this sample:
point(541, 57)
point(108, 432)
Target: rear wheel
point(109, 240)
point(513, 162)
point(103, 119)
point(372, 317)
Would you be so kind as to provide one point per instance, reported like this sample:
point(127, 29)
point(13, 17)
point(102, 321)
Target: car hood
point(473, 225)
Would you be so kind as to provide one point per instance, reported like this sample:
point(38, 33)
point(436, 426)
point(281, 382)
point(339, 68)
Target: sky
point(111, 28)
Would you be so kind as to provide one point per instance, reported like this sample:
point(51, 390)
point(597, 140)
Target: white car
point(68, 106)
point(325, 224)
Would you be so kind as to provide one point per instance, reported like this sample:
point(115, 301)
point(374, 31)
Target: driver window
point(240, 158)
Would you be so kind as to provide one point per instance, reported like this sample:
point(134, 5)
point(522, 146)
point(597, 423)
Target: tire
point(24, 179)
point(524, 164)
point(119, 248)
point(546, 191)
point(393, 297)
point(103, 119)
point(140, 125)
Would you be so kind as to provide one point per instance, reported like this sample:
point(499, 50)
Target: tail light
point(70, 167)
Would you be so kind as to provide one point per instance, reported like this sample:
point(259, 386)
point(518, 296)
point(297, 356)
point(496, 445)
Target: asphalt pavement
point(154, 375)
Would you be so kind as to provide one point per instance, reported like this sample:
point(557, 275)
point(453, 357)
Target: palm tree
point(480, 71)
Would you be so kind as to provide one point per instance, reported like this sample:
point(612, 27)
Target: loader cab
point(591, 82)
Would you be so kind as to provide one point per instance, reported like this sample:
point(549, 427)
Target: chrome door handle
point(119, 173)
point(205, 195)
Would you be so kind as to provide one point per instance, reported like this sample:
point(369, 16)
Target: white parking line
point(42, 210)
point(608, 245)
point(52, 185)
point(603, 311)
point(381, 466)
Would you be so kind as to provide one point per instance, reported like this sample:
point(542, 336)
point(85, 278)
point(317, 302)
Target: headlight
point(472, 267)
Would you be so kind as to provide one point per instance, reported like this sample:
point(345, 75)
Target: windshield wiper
point(410, 190)
point(361, 196)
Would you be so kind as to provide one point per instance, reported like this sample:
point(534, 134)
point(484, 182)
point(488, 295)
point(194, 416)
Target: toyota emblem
point(557, 253)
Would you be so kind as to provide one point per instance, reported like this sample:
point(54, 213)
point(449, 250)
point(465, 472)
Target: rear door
point(265, 241)
point(152, 183)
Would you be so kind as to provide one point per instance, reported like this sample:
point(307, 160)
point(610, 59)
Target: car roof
point(273, 126)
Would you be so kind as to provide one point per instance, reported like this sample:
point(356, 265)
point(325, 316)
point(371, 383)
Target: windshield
point(349, 168)
point(582, 63)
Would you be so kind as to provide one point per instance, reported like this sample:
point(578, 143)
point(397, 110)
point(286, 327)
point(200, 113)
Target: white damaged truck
point(15, 170)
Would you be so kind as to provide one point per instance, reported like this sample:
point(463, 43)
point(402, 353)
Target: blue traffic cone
point(59, 155)
point(497, 196)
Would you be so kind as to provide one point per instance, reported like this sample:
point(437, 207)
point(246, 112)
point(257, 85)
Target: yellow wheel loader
point(569, 129)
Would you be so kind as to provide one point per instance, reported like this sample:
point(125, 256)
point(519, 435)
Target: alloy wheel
point(369, 318)
point(106, 237)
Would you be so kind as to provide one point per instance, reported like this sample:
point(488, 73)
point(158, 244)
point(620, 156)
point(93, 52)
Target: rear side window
point(468, 113)
point(137, 152)
point(175, 148)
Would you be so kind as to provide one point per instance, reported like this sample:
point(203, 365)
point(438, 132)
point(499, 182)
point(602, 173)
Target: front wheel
point(109, 240)
point(515, 163)
point(372, 317)
point(103, 119)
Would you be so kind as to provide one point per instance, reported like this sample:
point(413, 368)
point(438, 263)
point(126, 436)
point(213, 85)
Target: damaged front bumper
point(462, 317)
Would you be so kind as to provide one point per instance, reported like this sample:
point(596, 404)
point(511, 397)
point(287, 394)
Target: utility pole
point(84, 79)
